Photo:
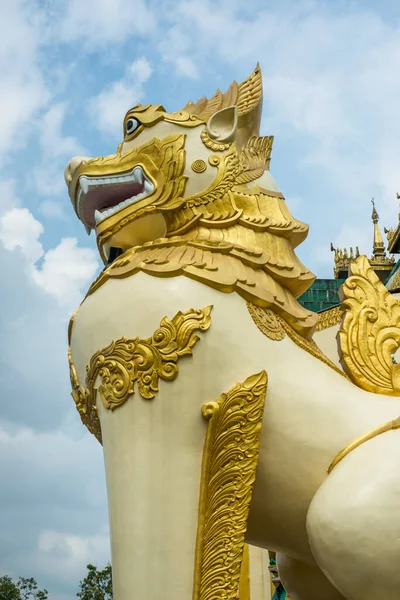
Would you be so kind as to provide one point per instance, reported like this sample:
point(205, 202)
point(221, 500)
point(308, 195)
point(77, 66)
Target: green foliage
point(97, 585)
point(23, 589)
point(8, 589)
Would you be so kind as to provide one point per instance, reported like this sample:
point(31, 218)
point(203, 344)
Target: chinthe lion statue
point(222, 421)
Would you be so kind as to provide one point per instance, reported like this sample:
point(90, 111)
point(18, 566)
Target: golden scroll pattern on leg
point(370, 333)
point(125, 362)
point(228, 473)
point(244, 579)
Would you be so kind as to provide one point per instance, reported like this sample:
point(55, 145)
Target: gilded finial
point(378, 246)
point(379, 260)
point(375, 216)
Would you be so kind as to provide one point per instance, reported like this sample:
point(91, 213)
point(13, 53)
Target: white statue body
point(334, 532)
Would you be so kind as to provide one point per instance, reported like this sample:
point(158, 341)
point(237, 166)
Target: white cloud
point(108, 108)
point(20, 229)
point(22, 87)
point(139, 71)
point(176, 47)
point(52, 141)
point(65, 270)
point(53, 209)
point(98, 22)
point(66, 554)
point(186, 67)
point(47, 175)
point(63, 502)
point(8, 197)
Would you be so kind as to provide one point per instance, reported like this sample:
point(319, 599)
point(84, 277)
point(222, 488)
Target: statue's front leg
point(354, 521)
point(180, 467)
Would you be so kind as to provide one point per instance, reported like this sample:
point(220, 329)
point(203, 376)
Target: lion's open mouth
point(100, 197)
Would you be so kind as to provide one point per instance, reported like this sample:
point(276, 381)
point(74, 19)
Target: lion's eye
point(131, 125)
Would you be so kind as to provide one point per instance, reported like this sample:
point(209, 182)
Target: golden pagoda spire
point(381, 263)
point(378, 247)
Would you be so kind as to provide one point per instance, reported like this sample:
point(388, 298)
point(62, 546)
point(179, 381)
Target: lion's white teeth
point(84, 184)
point(89, 184)
point(137, 175)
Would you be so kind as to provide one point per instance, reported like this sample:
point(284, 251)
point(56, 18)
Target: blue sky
point(69, 71)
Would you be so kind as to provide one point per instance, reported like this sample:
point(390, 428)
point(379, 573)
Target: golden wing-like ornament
point(246, 96)
point(255, 158)
point(370, 332)
point(250, 92)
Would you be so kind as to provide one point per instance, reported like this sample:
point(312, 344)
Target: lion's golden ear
point(223, 124)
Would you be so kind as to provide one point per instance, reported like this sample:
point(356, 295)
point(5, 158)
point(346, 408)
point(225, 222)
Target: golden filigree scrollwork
point(244, 580)
point(370, 332)
point(329, 318)
point(228, 473)
point(395, 281)
point(84, 402)
point(126, 362)
point(267, 322)
point(255, 158)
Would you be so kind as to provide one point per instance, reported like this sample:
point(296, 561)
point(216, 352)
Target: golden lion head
point(168, 161)
point(198, 176)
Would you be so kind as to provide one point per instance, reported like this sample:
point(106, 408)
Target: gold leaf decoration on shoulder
point(275, 328)
point(370, 331)
point(267, 322)
point(224, 266)
point(126, 362)
point(229, 464)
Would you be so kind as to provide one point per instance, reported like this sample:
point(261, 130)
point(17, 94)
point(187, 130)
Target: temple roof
point(379, 260)
point(393, 236)
point(323, 294)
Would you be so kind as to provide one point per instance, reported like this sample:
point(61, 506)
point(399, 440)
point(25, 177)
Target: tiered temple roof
point(379, 260)
point(393, 236)
point(342, 259)
point(323, 293)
